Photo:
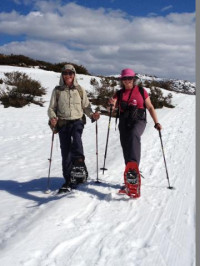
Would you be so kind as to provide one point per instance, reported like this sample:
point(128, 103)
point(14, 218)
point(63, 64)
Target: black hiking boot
point(64, 189)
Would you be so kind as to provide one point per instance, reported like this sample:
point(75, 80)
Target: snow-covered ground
point(94, 226)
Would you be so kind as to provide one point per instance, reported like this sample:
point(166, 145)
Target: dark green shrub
point(58, 67)
point(167, 85)
point(168, 100)
point(21, 91)
point(113, 83)
point(94, 82)
point(12, 98)
point(158, 100)
point(24, 61)
point(102, 92)
point(147, 84)
point(24, 83)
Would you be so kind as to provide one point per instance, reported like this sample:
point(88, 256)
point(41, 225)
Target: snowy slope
point(94, 225)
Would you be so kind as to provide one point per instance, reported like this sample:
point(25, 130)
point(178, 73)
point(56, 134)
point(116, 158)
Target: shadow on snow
point(27, 189)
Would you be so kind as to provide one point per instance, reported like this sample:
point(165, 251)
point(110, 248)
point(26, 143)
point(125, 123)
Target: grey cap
point(69, 67)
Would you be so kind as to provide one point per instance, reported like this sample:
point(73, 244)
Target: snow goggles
point(65, 73)
point(127, 78)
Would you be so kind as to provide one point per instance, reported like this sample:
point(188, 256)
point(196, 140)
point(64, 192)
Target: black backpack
point(119, 97)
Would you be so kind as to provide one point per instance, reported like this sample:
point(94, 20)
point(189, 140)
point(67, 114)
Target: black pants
point(130, 139)
point(71, 146)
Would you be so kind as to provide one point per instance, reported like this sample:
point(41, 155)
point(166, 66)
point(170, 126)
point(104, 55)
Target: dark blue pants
point(71, 146)
point(130, 139)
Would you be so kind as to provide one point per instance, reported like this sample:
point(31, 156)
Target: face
point(128, 82)
point(68, 77)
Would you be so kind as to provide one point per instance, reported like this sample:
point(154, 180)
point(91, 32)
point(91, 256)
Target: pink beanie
point(127, 72)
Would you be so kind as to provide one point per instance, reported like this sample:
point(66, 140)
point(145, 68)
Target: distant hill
point(24, 61)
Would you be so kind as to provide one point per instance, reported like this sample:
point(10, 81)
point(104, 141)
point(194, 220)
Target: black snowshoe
point(79, 173)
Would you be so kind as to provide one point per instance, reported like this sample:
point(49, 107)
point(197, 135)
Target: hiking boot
point(64, 189)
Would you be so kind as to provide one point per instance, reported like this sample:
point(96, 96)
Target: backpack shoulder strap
point(80, 91)
point(58, 91)
point(141, 89)
point(119, 95)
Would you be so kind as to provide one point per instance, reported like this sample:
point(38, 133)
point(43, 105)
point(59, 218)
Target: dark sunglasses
point(65, 73)
point(127, 78)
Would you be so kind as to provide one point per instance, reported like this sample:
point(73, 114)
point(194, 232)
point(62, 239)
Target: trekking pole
point(97, 181)
point(170, 187)
point(103, 168)
point(50, 159)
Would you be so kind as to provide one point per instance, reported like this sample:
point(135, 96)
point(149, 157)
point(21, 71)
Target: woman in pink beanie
point(132, 102)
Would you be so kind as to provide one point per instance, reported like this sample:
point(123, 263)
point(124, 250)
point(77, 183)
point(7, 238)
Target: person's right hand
point(112, 101)
point(53, 121)
point(96, 116)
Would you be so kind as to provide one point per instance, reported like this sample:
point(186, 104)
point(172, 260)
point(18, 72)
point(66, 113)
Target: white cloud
point(105, 40)
point(18, 2)
point(167, 8)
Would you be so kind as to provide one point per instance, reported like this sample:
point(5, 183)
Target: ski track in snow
point(94, 225)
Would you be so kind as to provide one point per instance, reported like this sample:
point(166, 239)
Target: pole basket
point(103, 168)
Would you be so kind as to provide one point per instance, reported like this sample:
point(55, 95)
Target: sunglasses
point(127, 78)
point(65, 73)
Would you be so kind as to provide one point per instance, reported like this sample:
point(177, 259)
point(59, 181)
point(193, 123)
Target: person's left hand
point(158, 126)
point(96, 116)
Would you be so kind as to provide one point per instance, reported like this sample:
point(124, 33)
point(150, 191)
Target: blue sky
point(152, 37)
point(131, 7)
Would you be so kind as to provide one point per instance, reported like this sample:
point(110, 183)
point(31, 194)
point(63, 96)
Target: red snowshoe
point(132, 180)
